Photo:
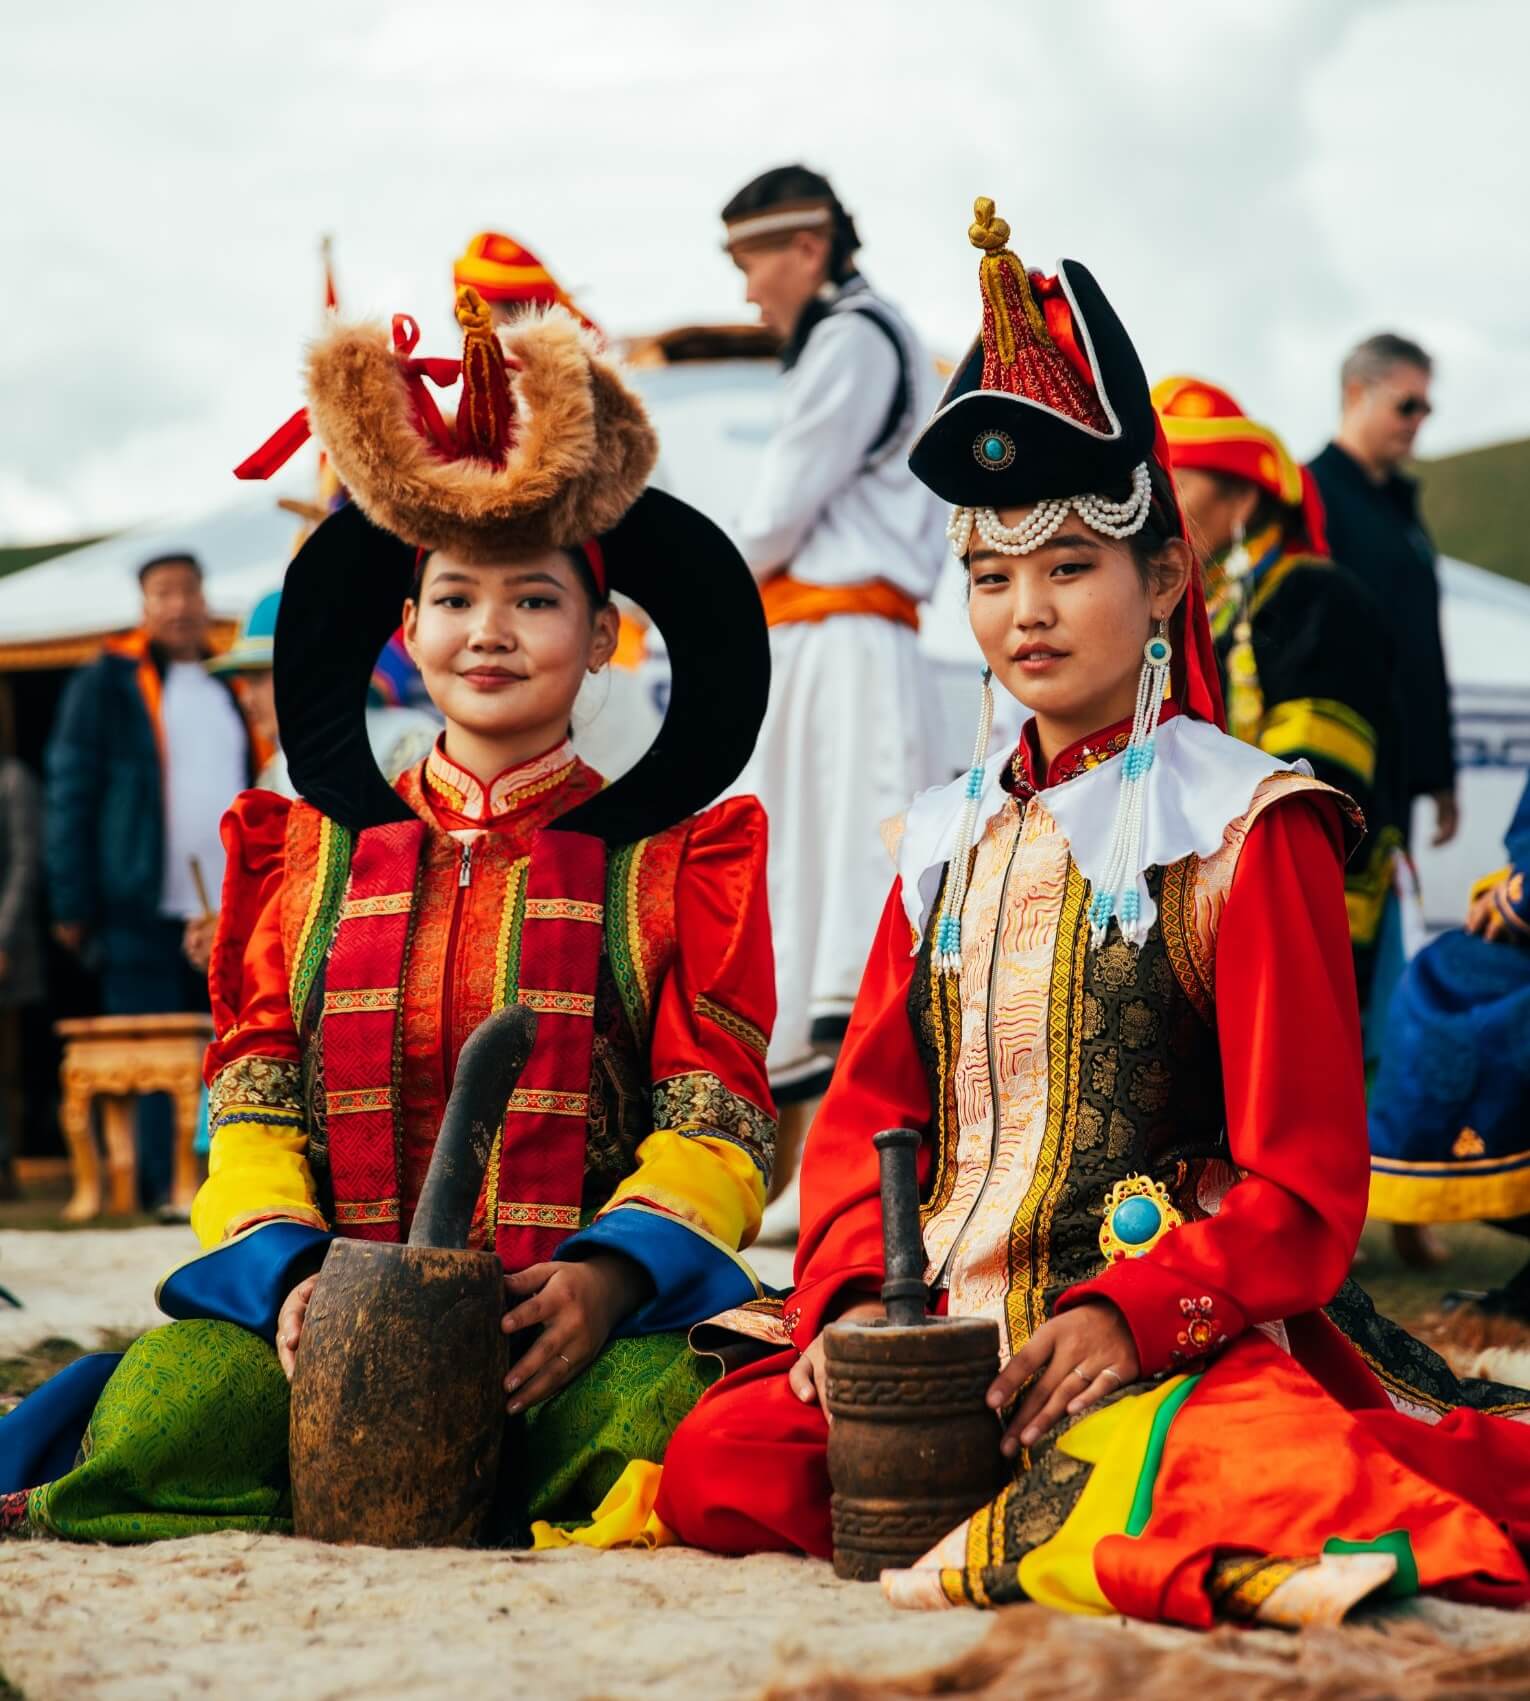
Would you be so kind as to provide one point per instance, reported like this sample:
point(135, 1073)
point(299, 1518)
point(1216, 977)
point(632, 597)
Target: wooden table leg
point(84, 1159)
point(188, 1106)
point(119, 1122)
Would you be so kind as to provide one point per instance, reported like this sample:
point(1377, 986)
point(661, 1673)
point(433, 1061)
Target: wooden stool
point(117, 1059)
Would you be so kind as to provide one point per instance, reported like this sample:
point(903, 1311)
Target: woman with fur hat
point(1112, 991)
point(366, 930)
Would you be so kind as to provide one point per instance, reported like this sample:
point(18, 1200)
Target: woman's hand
point(1075, 1359)
point(808, 1379)
point(289, 1323)
point(576, 1305)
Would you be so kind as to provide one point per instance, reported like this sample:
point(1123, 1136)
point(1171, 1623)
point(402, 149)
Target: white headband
point(772, 224)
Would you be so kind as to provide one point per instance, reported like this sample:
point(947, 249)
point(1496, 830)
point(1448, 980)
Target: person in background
point(1375, 531)
point(21, 960)
point(148, 751)
point(845, 544)
point(400, 737)
point(1285, 619)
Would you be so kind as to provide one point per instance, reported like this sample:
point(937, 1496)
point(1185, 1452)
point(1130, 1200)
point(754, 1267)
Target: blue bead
point(975, 779)
point(993, 448)
point(1131, 905)
point(1136, 1219)
point(1100, 909)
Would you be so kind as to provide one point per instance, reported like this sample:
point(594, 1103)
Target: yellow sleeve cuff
point(257, 1169)
point(710, 1183)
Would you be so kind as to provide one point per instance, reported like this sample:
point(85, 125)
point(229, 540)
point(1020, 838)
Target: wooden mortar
point(398, 1404)
point(914, 1447)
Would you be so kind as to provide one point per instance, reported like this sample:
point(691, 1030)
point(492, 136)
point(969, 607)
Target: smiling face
point(1063, 627)
point(503, 649)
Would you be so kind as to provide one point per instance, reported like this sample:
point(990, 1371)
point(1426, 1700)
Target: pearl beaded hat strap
point(1099, 513)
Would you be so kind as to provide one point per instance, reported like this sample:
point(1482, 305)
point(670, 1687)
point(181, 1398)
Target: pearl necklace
point(1109, 519)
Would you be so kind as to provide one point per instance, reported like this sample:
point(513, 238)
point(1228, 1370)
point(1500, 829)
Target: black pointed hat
point(1050, 400)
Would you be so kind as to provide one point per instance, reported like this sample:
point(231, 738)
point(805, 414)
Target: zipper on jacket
point(993, 1073)
point(449, 980)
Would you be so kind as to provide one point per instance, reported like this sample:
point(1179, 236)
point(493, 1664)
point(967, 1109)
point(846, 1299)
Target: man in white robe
point(846, 545)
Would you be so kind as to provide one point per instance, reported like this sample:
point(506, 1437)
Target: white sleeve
point(838, 399)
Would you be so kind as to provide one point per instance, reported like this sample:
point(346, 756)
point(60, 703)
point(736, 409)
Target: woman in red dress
point(1113, 990)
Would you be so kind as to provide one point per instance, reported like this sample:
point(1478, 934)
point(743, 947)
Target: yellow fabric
point(1490, 882)
point(625, 1518)
point(710, 1184)
point(1320, 726)
point(1060, 1572)
point(255, 1169)
point(1367, 889)
point(1462, 1196)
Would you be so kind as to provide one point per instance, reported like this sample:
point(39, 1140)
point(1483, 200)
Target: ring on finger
point(1082, 1374)
point(568, 1361)
point(1110, 1370)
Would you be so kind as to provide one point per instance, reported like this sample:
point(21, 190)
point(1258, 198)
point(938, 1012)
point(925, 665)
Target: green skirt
point(189, 1436)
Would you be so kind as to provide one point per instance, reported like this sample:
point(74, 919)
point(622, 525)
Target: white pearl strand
point(1110, 519)
point(1124, 864)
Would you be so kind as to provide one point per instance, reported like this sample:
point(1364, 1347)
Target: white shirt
point(817, 508)
point(205, 753)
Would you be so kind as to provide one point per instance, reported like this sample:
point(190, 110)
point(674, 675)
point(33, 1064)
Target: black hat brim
point(341, 603)
point(1054, 456)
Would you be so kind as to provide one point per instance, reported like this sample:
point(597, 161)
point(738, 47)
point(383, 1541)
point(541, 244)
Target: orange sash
point(790, 602)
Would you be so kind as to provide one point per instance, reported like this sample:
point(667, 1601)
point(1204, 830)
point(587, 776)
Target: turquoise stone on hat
point(1136, 1219)
point(993, 448)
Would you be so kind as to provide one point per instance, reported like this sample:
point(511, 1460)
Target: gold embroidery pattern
point(542, 1103)
point(558, 1003)
point(700, 1103)
point(744, 1031)
point(564, 909)
point(266, 1083)
point(354, 1211)
point(513, 1214)
point(361, 1000)
point(1181, 937)
point(1030, 1238)
point(390, 903)
point(355, 1099)
point(1239, 1587)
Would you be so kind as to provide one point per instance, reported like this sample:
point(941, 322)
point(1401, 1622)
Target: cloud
point(1254, 187)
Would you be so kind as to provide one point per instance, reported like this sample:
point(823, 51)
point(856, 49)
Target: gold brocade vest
point(1058, 1070)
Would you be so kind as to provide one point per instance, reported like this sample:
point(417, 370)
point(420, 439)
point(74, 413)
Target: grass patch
point(20, 1373)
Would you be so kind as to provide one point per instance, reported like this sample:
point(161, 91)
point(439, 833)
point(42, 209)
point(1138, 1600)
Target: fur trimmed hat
point(548, 448)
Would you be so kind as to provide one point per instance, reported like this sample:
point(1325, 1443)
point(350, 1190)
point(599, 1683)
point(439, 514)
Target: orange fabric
point(790, 602)
point(1261, 1459)
point(631, 645)
point(1293, 1081)
point(502, 269)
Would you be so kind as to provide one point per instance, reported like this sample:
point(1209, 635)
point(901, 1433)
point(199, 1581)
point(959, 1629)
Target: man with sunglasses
point(1374, 529)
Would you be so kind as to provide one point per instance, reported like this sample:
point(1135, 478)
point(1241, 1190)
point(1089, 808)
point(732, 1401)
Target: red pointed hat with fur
point(548, 449)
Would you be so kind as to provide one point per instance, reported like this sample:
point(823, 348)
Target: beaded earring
point(1117, 896)
point(948, 931)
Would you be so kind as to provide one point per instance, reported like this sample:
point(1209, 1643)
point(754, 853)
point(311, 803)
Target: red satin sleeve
point(717, 1005)
point(247, 976)
point(879, 1082)
point(1289, 1026)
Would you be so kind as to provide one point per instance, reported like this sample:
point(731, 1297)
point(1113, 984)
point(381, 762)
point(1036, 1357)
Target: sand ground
point(236, 1615)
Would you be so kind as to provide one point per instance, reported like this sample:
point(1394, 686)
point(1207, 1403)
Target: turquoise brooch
point(1138, 1214)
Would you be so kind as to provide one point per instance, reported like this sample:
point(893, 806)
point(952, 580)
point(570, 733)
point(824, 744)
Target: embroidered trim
point(564, 909)
point(331, 873)
point(390, 903)
point(699, 1103)
point(272, 1083)
point(356, 1211)
point(744, 1031)
point(944, 1018)
point(623, 944)
point(261, 1118)
point(1239, 1587)
point(540, 1102)
point(514, 1214)
point(558, 1003)
point(1182, 940)
point(507, 976)
point(355, 1099)
point(362, 999)
point(1031, 1237)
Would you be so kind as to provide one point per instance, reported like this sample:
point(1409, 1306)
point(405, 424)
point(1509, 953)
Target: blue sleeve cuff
point(40, 1440)
point(246, 1279)
point(694, 1276)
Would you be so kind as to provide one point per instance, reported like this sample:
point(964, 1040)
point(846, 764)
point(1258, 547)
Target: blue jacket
point(104, 820)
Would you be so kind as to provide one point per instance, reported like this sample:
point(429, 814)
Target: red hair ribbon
point(596, 557)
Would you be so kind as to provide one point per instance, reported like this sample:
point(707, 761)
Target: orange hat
point(502, 270)
point(1206, 428)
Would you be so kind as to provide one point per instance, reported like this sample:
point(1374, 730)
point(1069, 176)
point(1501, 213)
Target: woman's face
point(1215, 507)
point(1063, 627)
point(503, 647)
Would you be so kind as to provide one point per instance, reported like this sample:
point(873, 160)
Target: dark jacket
point(1375, 531)
point(105, 814)
point(20, 885)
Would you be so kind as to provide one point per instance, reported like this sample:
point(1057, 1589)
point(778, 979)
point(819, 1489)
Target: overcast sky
point(1256, 183)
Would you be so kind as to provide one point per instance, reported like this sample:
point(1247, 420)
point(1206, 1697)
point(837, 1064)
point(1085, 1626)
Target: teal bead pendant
point(994, 450)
